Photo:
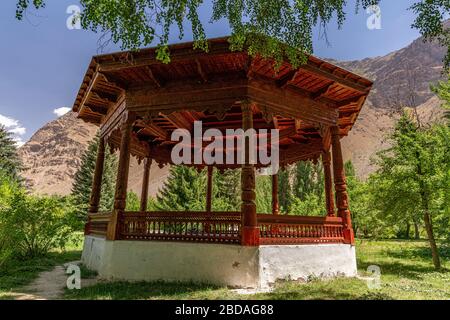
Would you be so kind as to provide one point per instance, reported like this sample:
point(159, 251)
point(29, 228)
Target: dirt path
point(49, 285)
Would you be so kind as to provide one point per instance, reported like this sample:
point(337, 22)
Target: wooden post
point(250, 229)
point(340, 186)
point(145, 181)
point(275, 202)
point(326, 160)
point(98, 175)
point(209, 190)
point(122, 178)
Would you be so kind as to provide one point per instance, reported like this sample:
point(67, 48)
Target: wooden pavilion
point(138, 102)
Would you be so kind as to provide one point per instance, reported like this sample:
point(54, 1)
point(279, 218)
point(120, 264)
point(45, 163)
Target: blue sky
point(42, 63)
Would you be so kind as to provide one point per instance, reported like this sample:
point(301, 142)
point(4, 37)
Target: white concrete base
point(221, 264)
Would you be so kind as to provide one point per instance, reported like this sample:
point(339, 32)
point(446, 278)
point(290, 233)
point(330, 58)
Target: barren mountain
point(52, 156)
point(402, 78)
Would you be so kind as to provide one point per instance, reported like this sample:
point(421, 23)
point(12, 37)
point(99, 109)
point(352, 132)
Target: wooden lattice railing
point(220, 227)
point(181, 226)
point(281, 229)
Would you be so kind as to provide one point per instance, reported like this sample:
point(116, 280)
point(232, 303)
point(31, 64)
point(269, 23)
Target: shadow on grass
point(404, 270)
point(420, 252)
point(140, 290)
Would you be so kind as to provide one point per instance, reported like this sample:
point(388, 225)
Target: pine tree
point(284, 189)
point(82, 185)
point(184, 190)
point(227, 190)
point(10, 164)
point(308, 179)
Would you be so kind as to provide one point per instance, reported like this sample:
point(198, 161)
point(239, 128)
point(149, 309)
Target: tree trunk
point(434, 250)
point(416, 230)
point(408, 229)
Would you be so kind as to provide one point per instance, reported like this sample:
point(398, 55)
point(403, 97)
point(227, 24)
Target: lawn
point(406, 273)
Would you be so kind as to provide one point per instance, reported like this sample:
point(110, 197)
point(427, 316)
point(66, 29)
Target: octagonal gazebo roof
point(303, 103)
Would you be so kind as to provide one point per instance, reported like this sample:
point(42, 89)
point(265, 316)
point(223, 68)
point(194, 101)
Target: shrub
point(32, 226)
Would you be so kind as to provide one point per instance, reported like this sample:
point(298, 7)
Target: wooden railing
point(97, 224)
point(219, 227)
point(224, 227)
point(281, 229)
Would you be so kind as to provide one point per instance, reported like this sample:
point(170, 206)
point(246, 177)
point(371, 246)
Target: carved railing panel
point(297, 230)
point(218, 227)
point(221, 227)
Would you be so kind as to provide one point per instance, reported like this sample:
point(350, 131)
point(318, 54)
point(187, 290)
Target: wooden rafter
point(152, 76)
point(201, 71)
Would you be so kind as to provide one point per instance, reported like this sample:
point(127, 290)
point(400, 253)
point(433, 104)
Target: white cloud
point(18, 130)
point(61, 111)
point(8, 122)
point(14, 126)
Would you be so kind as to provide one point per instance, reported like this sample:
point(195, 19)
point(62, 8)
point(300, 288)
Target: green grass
point(406, 273)
point(17, 273)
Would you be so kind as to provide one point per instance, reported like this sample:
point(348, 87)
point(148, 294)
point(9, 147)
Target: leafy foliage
point(412, 178)
point(82, 185)
point(31, 226)
point(442, 89)
point(274, 29)
point(429, 21)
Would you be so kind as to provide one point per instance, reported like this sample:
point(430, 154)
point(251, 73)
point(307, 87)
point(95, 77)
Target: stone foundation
point(221, 264)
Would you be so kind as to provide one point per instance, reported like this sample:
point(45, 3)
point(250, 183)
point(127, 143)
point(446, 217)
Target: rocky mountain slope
point(52, 156)
point(401, 78)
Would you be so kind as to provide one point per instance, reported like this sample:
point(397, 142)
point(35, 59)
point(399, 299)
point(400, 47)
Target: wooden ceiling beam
point(322, 92)
point(105, 96)
point(178, 120)
point(288, 77)
point(201, 71)
point(114, 81)
point(154, 129)
point(152, 76)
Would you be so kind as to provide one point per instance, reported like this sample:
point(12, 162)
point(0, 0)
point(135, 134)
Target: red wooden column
point(209, 189)
point(250, 229)
point(145, 181)
point(340, 186)
point(122, 178)
point(275, 202)
point(98, 175)
point(326, 160)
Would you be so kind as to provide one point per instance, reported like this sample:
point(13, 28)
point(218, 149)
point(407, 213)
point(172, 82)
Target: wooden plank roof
point(317, 85)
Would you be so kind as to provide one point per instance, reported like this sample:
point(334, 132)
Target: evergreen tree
point(285, 189)
point(308, 179)
point(184, 190)
point(10, 164)
point(264, 194)
point(227, 190)
point(82, 185)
